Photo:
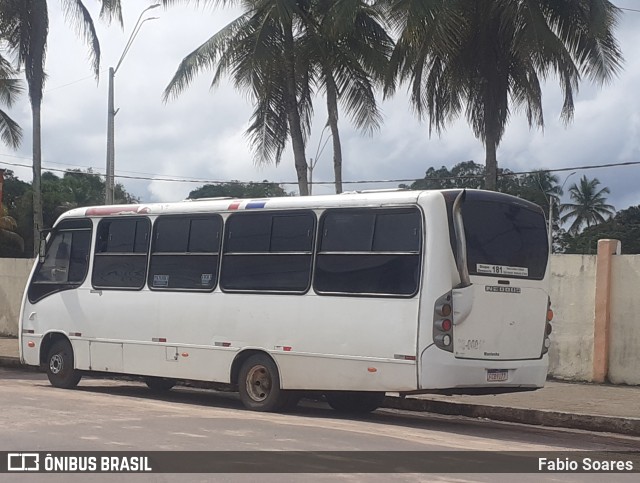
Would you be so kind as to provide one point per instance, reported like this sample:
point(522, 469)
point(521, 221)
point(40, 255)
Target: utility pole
point(111, 114)
point(1, 188)
point(112, 111)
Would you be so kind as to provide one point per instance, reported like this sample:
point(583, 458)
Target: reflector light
point(404, 357)
point(31, 343)
point(372, 369)
point(185, 354)
point(445, 310)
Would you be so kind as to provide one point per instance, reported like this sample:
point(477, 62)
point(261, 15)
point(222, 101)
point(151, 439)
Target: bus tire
point(354, 402)
point(159, 384)
point(60, 366)
point(259, 385)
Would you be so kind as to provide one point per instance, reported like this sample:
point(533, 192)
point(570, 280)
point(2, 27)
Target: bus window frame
point(62, 286)
point(190, 217)
point(121, 254)
point(375, 209)
point(272, 213)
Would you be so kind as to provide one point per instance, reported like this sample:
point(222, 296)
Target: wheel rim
point(56, 364)
point(258, 383)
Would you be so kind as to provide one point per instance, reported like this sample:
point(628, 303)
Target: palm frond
point(78, 15)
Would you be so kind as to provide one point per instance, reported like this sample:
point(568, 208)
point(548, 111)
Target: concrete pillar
point(602, 320)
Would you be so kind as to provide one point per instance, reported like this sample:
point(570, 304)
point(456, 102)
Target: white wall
point(573, 287)
point(14, 273)
point(624, 348)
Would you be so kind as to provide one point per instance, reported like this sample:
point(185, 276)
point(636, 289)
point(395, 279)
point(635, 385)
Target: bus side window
point(369, 252)
point(268, 252)
point(66, 261)
point(120, 260)
point(184, 252)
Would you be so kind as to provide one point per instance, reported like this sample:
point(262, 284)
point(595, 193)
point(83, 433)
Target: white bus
point(352, 295)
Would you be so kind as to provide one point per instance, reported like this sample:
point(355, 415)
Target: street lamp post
point(550, 234)
point(111, 111)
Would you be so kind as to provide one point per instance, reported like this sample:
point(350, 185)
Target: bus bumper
point(440, 369)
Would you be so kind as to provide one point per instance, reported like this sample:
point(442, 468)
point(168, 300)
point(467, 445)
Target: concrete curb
point(588, 422)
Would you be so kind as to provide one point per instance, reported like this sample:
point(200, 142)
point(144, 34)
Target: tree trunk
point(293, 114)
point(37, 175)
point(332, 110)
point(491, 163)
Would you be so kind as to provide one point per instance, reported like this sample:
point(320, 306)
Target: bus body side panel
point(338, 373)
point(333, 341)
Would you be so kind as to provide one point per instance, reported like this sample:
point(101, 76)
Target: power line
point(410, 180)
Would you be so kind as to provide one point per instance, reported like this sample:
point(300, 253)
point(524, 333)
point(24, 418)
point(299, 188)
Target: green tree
point(74, 189)
point(589, 205)
point(25, 26)
point(489, 58)
point(10, 89)
point(259, 51)
point(624, 226)
point(236, 189)
point(347, 47)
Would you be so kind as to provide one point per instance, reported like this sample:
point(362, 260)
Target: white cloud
point(200, 134)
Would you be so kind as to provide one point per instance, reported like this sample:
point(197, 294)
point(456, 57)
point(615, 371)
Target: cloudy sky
point(200, 134)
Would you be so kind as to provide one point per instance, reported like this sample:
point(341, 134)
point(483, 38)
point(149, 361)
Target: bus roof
point(370, 198)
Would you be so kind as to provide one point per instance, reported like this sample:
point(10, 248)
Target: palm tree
point(259, 50)
point(25, 25)
point(487, 59)
point(589, 205)
point(10, 88)
point(348, 48)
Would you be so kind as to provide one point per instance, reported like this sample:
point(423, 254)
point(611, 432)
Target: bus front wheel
point(259, 385)
point(60, 366)
point(354, 402)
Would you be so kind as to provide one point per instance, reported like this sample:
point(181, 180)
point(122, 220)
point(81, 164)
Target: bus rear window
point(505, 239)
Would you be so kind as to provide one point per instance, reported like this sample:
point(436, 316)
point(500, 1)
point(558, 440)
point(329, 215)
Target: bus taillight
point(442, 323)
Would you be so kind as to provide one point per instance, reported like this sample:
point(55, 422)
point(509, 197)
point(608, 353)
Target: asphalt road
point(112, 415)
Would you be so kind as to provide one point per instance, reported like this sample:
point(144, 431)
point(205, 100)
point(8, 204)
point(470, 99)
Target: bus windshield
point(506, 236)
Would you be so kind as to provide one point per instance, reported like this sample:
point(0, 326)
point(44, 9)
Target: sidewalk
point(591, 407)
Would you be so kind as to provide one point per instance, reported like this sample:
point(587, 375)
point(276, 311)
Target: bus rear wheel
point(354, 402)
point(259, 385)
point(159, 384)
point(60, 366)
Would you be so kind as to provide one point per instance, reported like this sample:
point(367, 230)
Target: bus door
point(502, 314)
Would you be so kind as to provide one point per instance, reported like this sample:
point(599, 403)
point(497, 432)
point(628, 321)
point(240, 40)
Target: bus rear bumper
point(442, 370)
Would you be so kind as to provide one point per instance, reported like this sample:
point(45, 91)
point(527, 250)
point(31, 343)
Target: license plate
point(497, 375)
